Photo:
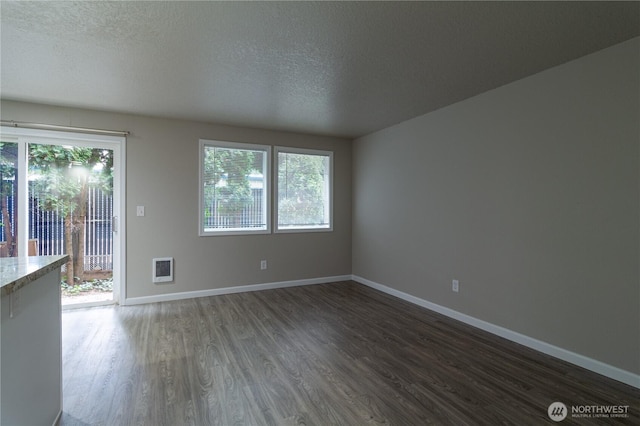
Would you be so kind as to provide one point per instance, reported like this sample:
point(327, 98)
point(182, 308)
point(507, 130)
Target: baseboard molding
point(546, 348)
point(56, 422)
point(229, 290)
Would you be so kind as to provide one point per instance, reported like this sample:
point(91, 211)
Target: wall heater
point(163, 269)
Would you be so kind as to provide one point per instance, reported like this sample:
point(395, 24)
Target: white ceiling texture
point(333, 68)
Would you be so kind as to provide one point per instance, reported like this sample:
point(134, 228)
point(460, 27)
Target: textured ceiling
point(336, 68)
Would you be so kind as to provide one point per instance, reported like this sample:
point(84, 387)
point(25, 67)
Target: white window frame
point(266, 189)
point(307, 228)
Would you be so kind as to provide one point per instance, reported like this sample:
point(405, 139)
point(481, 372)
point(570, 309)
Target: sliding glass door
point(61, 194)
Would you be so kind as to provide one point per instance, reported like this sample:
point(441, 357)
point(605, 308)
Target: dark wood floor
point(326, 354)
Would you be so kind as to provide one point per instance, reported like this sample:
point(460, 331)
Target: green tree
point(64, 177)
point(226, 180)
point(301, 180)
point(8, 157)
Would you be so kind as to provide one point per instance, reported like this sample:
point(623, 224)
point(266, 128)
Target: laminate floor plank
point(328, 354)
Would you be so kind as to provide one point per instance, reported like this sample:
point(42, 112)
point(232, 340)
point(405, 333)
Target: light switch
point(140, 211)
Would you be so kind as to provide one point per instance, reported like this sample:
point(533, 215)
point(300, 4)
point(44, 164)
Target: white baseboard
point(56, 421)
point(229, 290)
point(546, 348)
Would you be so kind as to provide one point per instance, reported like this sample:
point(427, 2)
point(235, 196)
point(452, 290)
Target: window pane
point(304, 199)
point(8, 199)
point(70, 211)
point(234, 189)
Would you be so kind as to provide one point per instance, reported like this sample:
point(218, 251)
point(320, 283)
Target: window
point(304, 190)
point(234, 188)
point(8, 198)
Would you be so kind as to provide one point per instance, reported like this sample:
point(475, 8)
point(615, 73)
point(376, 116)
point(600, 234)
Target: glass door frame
point(117, 144)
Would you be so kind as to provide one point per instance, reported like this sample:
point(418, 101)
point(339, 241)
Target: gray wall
point(162, 175)
point(527, 194)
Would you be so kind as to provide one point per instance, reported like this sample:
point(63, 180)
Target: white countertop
point(16, 272)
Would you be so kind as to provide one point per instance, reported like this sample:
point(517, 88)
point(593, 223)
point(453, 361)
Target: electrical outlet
point(140, 211)
point(263, 264)
point(455, 285)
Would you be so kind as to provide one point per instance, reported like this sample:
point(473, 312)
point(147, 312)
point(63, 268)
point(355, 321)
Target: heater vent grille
point(162, 270)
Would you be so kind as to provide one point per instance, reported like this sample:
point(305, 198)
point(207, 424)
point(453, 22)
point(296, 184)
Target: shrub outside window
point(304, 190)
point(234, 188)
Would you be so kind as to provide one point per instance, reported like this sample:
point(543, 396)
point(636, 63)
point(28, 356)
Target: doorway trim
point(24, 136)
